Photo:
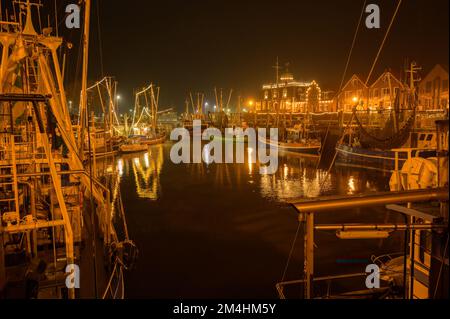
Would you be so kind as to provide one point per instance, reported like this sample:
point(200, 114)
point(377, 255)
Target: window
point(396, 91)
point(348, 94)
point(429, 137)
point(385, 91)
point(421, 137)
point(428, 87)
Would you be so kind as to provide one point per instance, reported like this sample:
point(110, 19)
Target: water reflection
point(146, 168)
point(224, 222)
point(296, 177)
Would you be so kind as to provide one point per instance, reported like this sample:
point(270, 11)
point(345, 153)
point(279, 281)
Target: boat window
point(429, 137)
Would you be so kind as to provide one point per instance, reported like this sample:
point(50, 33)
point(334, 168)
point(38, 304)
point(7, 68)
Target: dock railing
point(308, 208)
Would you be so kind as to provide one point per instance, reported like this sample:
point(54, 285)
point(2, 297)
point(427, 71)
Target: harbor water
point(225, 230)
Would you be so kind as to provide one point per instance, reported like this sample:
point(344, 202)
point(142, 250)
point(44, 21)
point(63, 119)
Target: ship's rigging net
point(387, 138)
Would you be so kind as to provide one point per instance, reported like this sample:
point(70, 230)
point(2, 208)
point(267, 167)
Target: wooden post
point(2, 263)
point(309, 254)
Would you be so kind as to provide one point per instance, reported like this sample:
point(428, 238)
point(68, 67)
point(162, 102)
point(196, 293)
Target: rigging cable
point(335, 154)
point(367, 80)
point(100, 44)
point(384, 40)
point(92, 209)
point(440, 268)
point(291, 252)
point(351, 48)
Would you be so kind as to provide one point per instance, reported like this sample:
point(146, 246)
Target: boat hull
point(292, 147)
point(153, 141)
point(134, 148)
point(379, 159)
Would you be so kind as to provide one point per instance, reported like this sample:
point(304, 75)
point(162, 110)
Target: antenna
point(29, 28)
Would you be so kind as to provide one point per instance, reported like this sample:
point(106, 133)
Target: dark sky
point(193, 45)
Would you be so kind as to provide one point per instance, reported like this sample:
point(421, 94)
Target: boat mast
point(413, 68)
point(83, 98)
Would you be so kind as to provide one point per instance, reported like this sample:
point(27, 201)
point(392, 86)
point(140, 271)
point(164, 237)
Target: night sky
point(193, 46)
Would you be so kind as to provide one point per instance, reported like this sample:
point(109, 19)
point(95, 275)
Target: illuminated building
point(433, 89)
point(353, 92)
point(383, 91)
point(291, 96)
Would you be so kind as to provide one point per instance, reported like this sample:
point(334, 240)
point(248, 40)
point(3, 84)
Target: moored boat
point(302, 146)
point(377, 158)
point(133, 147)
point(153, 140)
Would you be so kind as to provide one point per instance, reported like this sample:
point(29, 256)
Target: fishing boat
point(298, 140)
point(133, 146)
point(44, 238)
point(380, 148)
point(358, 147)
point(379, 158)
point(153, 140)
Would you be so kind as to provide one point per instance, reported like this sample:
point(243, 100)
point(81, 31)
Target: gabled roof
point(384, 75)
point(436, 67)
point(354, 77)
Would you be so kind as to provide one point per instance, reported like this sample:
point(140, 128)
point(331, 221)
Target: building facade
point(353, 93)
point(433, 89)
point(383, 92)
point(291, 96)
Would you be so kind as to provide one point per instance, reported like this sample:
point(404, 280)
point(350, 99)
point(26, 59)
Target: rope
point(351, 48)
point(384, 40)
point(100, 44)
point(290, 252)
point(120, 281)
point(440, 269)
point(108, 286)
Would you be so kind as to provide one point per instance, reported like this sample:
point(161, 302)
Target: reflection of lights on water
point(293, 182)
point(146, 176)
point(206, 154)
point(351, 185)
point(249, 160)
point(146, 160)
point(120, 167)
